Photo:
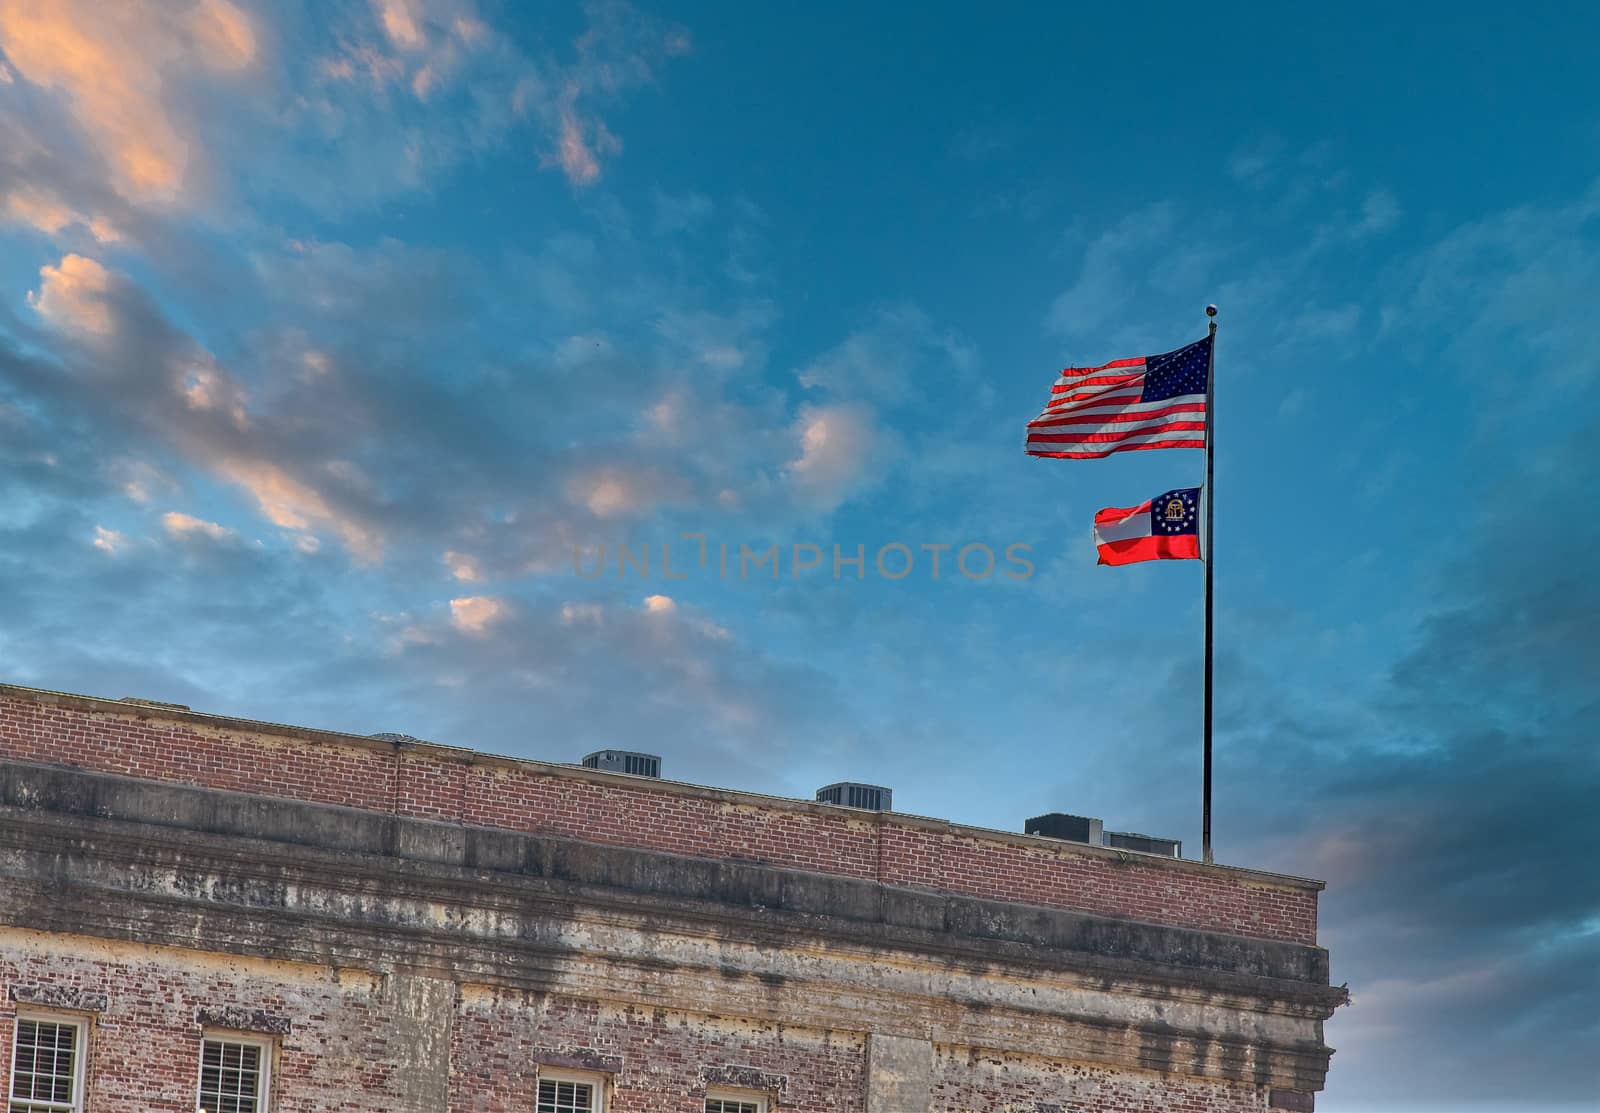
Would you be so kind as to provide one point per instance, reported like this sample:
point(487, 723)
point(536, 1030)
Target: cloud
point(474, 614)
point(72, 295)
point(836, 445)
point(125, 120)
point(109, 540)
point(47, 212)
point(443, 55)
point(150, 383)
point(114, 67)
point(182, 526)
point(721, 712)
point(578, 157)
point(293, 503)
point(401, 22)
point(1454, 839)
point(1106, 275)
point(619, 51)
point(898, 357)
point(610, 493)
point(463, 567)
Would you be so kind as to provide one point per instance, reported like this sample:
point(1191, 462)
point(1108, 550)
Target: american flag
point(1147, 402)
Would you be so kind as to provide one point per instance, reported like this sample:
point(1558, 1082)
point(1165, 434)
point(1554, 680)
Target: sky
point(344, 348)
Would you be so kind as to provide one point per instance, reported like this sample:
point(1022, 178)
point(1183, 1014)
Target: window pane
point(230, 1077)
point(565, 1097)
point(43, 1073)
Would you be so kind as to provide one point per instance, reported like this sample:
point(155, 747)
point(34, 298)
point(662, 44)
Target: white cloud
point(836, 443)
point(463, 566)
point(474, 614)
point(109, 540)
point(72, 295)
point(182, 525)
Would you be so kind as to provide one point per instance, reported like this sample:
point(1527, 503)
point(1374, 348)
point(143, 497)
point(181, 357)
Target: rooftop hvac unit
point(1144, 844)
point(624, 761)
point(1059, 825)
point(850, 794)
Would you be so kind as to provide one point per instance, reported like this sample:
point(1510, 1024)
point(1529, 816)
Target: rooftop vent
point(1144, 844)
point(395, 738)
point(850, 794)
point(1059, 825)
point(624, 761)
point(1080, 828)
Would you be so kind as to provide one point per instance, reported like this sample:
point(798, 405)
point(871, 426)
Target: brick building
point(207, 913)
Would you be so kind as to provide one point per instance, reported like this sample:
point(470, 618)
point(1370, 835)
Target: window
point(570, 1093)
point(47, 1066)
point(735, 1103)
point(233, 1074)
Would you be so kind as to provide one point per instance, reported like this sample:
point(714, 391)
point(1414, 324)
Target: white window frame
point(265, 1044)
point(762, 1101)
point(80, 1058)
point(593, 1079)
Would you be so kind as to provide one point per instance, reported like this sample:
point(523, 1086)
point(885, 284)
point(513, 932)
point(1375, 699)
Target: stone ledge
point(745, 1078)
point(239, 1018)
point(576, 1058)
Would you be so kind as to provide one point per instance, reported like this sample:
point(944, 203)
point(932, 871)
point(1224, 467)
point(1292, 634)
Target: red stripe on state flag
point(1135, 549)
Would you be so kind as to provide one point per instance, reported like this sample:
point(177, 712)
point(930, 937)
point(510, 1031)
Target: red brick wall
point(144, 1048)
point(661, 1055)
point(530, 797)
point(343, 1048)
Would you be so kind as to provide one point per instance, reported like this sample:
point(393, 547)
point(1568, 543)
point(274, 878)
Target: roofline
point(175, 713)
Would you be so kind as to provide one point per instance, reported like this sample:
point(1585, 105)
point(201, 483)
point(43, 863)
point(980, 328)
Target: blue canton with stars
point(1180, 372)
point(1175, 513)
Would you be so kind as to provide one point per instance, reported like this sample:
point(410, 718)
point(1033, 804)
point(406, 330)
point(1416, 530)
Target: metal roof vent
point(1144, 844)
point(396, 739)
point(851, 794)
point(1071, 828)
point(624, 761)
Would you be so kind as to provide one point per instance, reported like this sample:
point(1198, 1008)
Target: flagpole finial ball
point(1211, 311)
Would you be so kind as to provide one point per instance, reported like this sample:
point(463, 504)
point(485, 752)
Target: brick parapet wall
point(436, 782)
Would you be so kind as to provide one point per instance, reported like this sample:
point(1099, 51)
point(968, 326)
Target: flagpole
point(1211, 377)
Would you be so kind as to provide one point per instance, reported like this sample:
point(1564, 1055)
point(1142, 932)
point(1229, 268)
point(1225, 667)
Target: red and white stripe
point(1095, 411)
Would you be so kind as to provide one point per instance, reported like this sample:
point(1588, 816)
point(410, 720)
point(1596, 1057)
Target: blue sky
point(328, 332)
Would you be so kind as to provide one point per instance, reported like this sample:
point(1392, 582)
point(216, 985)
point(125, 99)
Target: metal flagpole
point(1211, 451)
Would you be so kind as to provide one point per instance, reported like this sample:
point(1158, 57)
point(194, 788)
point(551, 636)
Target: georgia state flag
point(1166, 527)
